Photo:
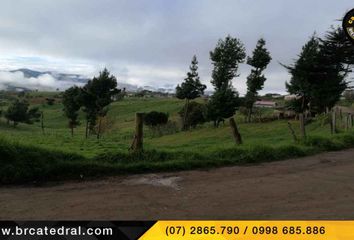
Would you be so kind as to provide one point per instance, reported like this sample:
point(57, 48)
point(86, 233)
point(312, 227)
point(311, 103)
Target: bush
point(50, 101)
point(154, 118)
point(19, 112)
point(196, 114)
point(170, 127)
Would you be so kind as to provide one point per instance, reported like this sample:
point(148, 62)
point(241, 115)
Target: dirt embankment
point(316, 187)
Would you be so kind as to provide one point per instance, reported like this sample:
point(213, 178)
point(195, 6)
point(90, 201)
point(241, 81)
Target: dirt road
point(317, 187)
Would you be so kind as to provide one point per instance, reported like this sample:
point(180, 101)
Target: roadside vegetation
point(88, 131)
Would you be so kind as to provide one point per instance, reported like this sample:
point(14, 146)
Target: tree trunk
point(72, 131)
point(185, 114)
point(249, 115)
point(86, 130)
point(302, 125)
point(137, 145)
point(42, 122)
point(334, 122)
point(350, 120)
point(99, 128)
point(236, 134)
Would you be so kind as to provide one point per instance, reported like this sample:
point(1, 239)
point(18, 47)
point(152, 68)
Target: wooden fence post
point(347, 122)
point(302, 125)
point(236, 134)
point(334, 122)
point(350, 119)
point(292, 132)
point(42, 122)
point(137, 145)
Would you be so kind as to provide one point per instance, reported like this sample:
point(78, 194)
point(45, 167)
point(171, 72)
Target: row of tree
point(226, 57)
point(318, 76)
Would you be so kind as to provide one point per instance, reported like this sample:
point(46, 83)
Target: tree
point(336, 61)
point(97, 94)
point(226, 57)
point(197, 114)
point(19, 112)
point(191, 88)
point(304, 74)
point(255, 81)
point(72, 104)
point(318, 75)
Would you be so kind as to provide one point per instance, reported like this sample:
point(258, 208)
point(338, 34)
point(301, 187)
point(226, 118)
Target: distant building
point(291, 97)
point(265, 104)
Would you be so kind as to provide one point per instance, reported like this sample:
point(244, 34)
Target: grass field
point(29, 155)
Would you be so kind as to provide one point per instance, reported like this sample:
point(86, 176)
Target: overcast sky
point(151, 42)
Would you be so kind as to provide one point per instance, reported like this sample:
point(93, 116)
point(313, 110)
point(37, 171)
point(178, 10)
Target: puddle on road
point(155, 180)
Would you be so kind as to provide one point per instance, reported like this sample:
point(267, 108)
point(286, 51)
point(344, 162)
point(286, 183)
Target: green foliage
point(19, 112)
point(222, 104)
point(260, 56)
point(255, 81)
point(155, 118)
point(196, 114)
point(226, 57)
point(97, 94)
point(319, 74)
point(72, 104)
point(191, 88)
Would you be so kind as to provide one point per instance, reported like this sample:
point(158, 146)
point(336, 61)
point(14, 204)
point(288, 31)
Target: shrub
point(50, 101)
point(196, 114)
point(19, 112)
point(154, 118)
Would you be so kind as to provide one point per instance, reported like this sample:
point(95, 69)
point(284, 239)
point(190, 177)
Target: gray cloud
point(151, 42)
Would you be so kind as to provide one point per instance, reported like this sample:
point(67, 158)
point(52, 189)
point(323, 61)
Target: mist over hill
point(28, 79)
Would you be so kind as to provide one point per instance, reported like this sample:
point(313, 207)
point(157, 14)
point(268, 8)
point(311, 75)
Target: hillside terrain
point(34, 155)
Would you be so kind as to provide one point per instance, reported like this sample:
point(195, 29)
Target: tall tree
point(97, 94)
point(226, 56)
point(336, 61)
point(72, 105)
point(255, 81)
point(319, 74)
point(304, 73)
point(191, 88)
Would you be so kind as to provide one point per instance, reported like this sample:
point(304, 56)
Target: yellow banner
point(251, 230)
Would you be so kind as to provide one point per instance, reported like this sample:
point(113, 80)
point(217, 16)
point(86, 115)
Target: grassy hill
point(34, 156)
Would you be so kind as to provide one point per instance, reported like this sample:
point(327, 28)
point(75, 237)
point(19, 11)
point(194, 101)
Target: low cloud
point(44, 82)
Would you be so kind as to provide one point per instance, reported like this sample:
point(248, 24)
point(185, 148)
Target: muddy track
point(316, 187)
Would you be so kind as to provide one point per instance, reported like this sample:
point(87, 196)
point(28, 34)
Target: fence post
point(236, 134)
point(292, 132)
point(334, 122)
point(137, 145)
point(350, 118)
point(302, 125)
point(42, 121)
